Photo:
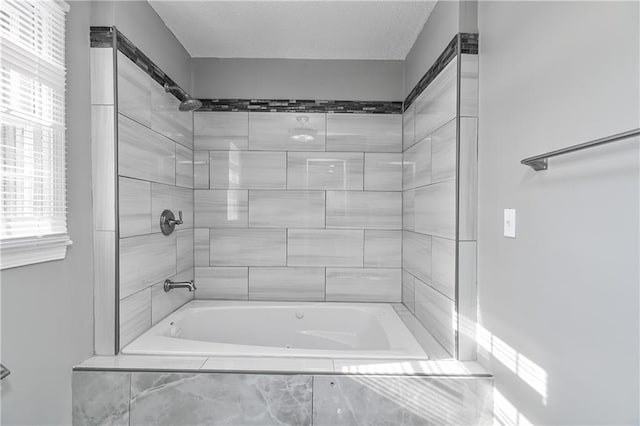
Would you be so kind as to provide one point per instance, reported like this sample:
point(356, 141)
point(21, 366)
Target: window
point(33, 218)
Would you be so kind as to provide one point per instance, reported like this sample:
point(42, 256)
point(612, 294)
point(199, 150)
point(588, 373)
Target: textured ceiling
point(303, 29)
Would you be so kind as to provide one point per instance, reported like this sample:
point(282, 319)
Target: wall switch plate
point(510, 223)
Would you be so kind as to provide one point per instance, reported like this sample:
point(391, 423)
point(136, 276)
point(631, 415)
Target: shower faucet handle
point(179, 221)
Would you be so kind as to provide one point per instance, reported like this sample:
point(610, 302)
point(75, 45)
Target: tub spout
point(170, 285)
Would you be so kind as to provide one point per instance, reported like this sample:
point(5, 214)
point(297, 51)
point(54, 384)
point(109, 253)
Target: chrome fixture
point(302, 133)
point(187, 103)
point(4, 372)
point(168, 221)
point(539, 162)
point(170, 285)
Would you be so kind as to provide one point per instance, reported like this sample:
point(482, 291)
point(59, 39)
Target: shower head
point(187, 103)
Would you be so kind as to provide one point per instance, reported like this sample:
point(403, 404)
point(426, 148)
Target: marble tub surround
point(190, 398)
point(439, 199)
point(281, 218)
point(155, 169)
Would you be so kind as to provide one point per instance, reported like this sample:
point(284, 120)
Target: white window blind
point(33, 217)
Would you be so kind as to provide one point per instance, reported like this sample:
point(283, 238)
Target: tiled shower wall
point(279, 219)
point(155, 172)
point(439, 213)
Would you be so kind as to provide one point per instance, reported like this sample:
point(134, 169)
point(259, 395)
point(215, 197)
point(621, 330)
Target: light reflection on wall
point(234, 180)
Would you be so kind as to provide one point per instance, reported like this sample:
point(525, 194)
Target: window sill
point(27, 251)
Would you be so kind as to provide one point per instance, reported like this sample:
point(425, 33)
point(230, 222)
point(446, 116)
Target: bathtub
point(272, 329)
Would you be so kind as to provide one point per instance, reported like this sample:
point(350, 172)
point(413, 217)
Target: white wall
point(297, 79)
point(47, 309)
point(564, 294)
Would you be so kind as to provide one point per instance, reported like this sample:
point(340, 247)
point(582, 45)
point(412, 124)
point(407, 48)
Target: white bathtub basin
point(291, 329)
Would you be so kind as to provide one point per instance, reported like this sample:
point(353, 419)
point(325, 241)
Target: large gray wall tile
point(416, 254)
point(408, 127)
point(436, 313)
point(134, 91)
point(201, 243)
point(201, 169)
point(364, 209)
point(102, 69)
point(216, 399)
point(167, 119)
point(364, 284)
point(275, 131)
point(221, 131)
point(286, 284)
point(146, 260)
point(184, 249)
point(469, 85)
point(408, 291)
point(286, 209)
point(443, 146)
point(436, 105)
point(103, 167)
point(443, 273)
point(248, 170)
point(325, 170)
point(134, 207)
point(144, 154)
point(468, 179)
point(219, 208)
point(248, 247)
point(435, 207)
point(409, 210)
point(135, 316)
point(325, 247)
point(467, 301)
point(382, 249)
point(364, 132)
point(184, 167)
point(222, 283)
point(100, 398)
point(382, 172)
point(417, 165)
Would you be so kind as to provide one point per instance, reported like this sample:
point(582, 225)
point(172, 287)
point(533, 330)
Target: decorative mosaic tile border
point(468, 44)
point(296, 105)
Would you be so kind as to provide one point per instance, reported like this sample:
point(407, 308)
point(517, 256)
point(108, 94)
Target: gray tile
point(222, 283)
point(364, 132)
point(468, 179)
point(163, 303)
point(139, 261)
point(436, 313)
point(175, 199)
point(184, 167)
point(443, 274)
point(469, 86)
point(219, 208)
point(103, 167)
point(364, 209)
point(286, 284)
point(443, 143)
point(467, 301)
point(168, 120)
point(201, 169)
point(211, 398)
point(144, 154)
point(100, 397)
point(134, 91)
point(408, 210)
point(417, 164)
point(382, 249)
point(247, 170)
point(380, 400)
point(102, 76)
point(364, 284)
point(408, 291)
point(408, 127)
point(416, 254)
point(277, 131)
point(286, 209)
point(436, 105)
point(248, 247)
point(435, 209)
point(135, 316)
point(325, 247)
point(184, 249)
point(382, 172)
point(104, 289)
point(134, 207)
point(325, 170)
point(201, 244)
point(221, 131)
